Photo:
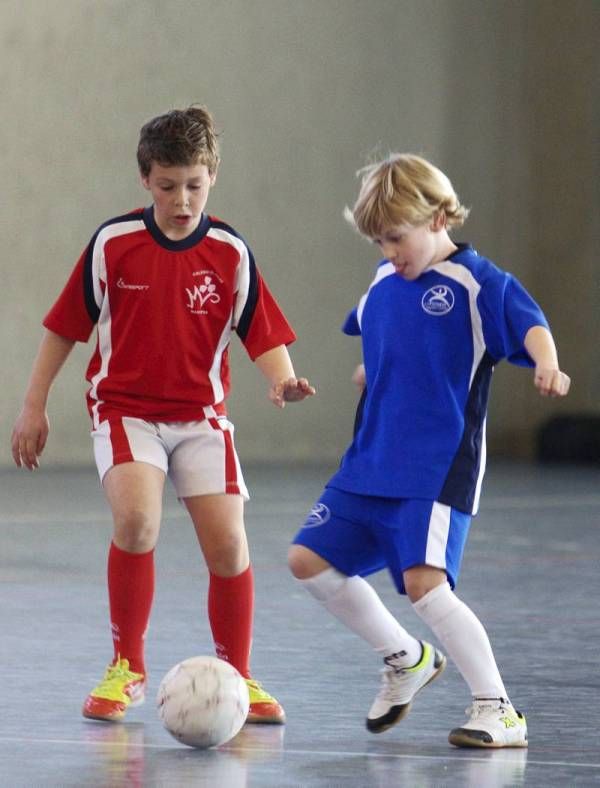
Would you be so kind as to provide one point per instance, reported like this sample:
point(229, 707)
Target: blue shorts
point(360, 534)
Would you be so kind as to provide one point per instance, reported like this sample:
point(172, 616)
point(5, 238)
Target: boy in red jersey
point(166, 286)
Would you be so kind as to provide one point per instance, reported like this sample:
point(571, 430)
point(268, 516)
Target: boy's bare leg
point(493, 720)
point(219, 524)
point(457, 628)
point(409, 664)
point(355, 603)
point(134, 491)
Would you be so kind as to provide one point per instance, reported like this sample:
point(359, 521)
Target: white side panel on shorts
point(439, 526)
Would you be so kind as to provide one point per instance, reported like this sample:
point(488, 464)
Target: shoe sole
point(116, 716)
point(462, 737)
point(398, 713)
point(267, 712)
point(257, 719)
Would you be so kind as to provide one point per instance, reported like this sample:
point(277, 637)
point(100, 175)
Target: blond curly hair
point(403, 189)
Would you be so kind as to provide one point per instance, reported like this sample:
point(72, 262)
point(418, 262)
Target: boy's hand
point(551, 382)
point(29, 438)
point(359, 377)
point(290, 390)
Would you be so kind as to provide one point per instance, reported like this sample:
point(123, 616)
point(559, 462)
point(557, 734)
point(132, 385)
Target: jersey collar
point(462, 248)
point(175, 246)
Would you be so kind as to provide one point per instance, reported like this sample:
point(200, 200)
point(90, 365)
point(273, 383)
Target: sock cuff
point(325, 584)
point(126, 554)
point(241, 578)
point(437, 604)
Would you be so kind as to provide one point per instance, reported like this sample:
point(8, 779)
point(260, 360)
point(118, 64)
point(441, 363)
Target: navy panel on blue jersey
point(461, 486)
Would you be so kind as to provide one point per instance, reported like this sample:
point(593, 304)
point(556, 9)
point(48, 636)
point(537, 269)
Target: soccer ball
point(203, 702)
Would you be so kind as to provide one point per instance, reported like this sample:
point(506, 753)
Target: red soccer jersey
point(165, 311)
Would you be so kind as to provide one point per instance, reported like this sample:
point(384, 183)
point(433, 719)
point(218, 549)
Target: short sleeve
point(263, 325)
point(350, 325)
point(508, 312)
point(70, 316)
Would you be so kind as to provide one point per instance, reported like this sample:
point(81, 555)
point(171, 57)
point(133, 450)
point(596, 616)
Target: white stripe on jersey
point(386, 269)
point(463, 276)
point(482, 462)
point(105, 350)
point(242, 277)
point(437, 538)
point(103, 303)
point(98, 258)
point(241, 288)
point(214, 373)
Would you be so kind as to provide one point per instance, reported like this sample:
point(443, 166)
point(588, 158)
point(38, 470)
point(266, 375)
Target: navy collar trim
point(462, 247)
point(167, 243)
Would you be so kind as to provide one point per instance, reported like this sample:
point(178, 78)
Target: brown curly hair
point(180, 137)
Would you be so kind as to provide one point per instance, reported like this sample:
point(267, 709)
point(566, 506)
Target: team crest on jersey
point(201, 295)
point(319, 515)
point(438, 300)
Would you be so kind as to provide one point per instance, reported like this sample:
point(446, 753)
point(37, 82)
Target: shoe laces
point(392, 679)
point(116, 677)
point(257, 693)
point(485, 708)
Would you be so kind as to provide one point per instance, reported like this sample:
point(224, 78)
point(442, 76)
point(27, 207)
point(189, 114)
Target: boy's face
point(180, 194)
point(412, 250)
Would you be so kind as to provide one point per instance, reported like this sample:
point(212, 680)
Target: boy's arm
point(276, 366)
point(548, 378)
point(31, 427)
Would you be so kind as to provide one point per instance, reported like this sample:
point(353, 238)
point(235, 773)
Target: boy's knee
point(135, 532)
point(420, 580)
point(304, 563)
point(229, 556)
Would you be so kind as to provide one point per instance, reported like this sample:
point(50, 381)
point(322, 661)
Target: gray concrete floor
point(530, 572)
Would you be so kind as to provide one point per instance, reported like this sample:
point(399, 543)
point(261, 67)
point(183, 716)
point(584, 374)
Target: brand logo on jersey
point(438, 300)
point(199, 295)
point(319, 515)
point(124, 286)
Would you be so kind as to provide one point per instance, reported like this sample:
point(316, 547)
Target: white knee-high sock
point(465, 640)
point(356, 604)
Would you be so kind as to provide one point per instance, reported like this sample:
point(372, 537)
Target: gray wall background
point(501, 94)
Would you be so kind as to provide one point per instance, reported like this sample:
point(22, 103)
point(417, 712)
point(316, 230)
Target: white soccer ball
point(203, 701)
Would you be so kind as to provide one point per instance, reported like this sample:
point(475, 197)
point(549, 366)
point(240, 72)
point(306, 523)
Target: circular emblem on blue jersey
point(438, 300)
point(319, 515)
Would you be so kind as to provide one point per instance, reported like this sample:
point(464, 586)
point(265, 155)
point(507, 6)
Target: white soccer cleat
point(400, 685)
point(492, 723)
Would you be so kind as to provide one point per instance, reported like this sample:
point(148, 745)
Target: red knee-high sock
point(231, 613)
point(130, 594)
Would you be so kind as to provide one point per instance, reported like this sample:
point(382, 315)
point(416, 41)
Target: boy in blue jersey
point(434, 322)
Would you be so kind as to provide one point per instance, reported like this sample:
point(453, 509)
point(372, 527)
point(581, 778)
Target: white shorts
point(198, 456)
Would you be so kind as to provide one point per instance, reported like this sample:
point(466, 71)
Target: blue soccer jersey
point(429, 349)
